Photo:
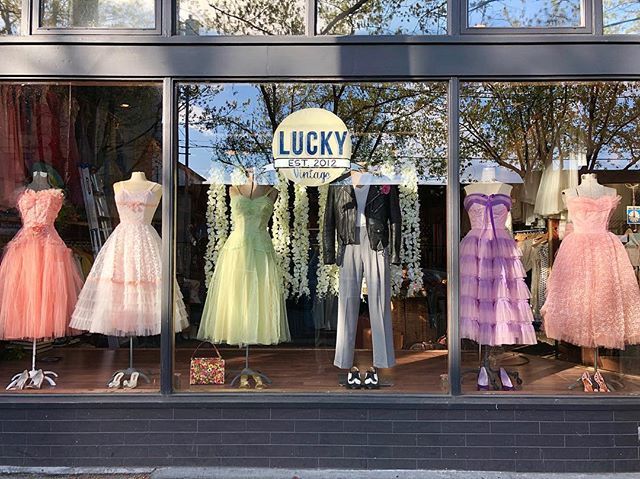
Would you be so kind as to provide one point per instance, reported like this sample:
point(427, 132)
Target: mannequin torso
point(488, 185)
point(253, 190)
point(139, 183)
point(40, 181)
point(590, 188)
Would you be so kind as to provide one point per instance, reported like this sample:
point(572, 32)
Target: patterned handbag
point(206, 369)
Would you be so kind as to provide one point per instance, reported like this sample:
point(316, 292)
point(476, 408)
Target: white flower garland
point(328, 274)
point(281, 233)
point(410, 209)
point(300, 243)
point(217, 225)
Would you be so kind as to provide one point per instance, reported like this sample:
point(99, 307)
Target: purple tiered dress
point(494, 299)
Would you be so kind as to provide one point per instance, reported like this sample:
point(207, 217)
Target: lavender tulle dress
point(494, 299)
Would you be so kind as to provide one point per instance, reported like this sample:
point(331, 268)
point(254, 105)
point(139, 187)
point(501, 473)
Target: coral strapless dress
point(39, 279)
point(245, 302)
point(593, 298)
point(494, 299)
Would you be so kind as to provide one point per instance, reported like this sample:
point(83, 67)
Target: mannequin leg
point(350, 286)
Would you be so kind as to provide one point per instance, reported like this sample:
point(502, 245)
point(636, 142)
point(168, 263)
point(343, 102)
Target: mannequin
point(590, 188)
point(366, 221)
point(253, 190)
point(488, 184)
point(137, 183)
point(40, 181)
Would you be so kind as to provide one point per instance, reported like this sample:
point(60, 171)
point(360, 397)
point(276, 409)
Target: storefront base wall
point(557, 436)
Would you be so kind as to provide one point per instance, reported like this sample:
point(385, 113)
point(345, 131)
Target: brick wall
point(558, 436)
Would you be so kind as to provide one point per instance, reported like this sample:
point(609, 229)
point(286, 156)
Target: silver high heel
point(132, 382)
point(18, 381)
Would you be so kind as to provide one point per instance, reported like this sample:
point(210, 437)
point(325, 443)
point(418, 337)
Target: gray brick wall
point(558, 436)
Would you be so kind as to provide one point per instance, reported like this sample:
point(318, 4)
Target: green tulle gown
point(245, 302)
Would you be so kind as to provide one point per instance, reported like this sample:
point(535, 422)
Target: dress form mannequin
point(40, 181)
point(590, 188)
point(253, 190)
point(488, 185)
point(139, 182)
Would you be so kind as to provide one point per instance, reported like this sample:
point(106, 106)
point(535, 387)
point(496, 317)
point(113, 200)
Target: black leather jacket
point(382, 213)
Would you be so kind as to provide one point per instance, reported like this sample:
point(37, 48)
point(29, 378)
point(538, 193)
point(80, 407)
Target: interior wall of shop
point(594, 434)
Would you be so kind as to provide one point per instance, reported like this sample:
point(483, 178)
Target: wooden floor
point(85, 370)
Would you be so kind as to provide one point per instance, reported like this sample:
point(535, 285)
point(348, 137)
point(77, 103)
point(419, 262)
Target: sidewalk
point(237, 473)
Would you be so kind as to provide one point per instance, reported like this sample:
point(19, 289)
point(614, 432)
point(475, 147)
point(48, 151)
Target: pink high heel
point(505, 380)
point(483, 379)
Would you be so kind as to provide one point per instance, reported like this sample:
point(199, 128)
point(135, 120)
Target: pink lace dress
point(593, 297)
point(122, 294)
point(39, 279)
point(494, 299)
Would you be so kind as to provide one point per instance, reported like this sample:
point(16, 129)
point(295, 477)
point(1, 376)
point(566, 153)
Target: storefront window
point(525, 13)
point(80, 271)
point(621, 16)
point(256, 254)
point(241, 17)
point(10, 13)
point(387, 17)
point(91, 14)
point(549, 262)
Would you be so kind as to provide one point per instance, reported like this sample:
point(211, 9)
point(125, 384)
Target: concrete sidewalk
point(238, 473)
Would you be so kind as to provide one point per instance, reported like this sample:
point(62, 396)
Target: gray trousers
point(359, 259)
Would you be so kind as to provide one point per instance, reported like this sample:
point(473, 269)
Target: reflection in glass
point(10, 13)
point(64, 147)
point(566, 152)
point(621, 16)
point(399, 136)
point(241, 17)
point(525, 13)
point(382, 17)
point(116, 14)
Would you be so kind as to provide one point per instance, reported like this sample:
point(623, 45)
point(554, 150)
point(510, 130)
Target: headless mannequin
point(139, 182)
point(40, 181)
point(590, 188)
point(253, 190)
point(488, 185)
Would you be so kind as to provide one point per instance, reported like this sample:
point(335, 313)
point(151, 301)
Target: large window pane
point(109, 14)
point(382, 17)
point(10, 13)
point(241, 17)
point(80, 267)
point(549, 259)
point(525, 13)
point(399, 136)
point(621, 16)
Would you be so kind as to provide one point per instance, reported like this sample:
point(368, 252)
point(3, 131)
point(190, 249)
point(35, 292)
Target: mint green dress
point(245, 301)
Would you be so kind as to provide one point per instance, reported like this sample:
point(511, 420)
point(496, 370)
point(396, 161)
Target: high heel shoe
point(18, 381)
point(602, 386)
point(132, 382)
point(116, 381)
point(37, 377)
point(586, 382)
point(483, 379)
point(244, 382)
point(505, 380)
point(258, 380)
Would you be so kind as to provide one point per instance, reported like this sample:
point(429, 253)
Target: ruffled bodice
point(39, 210)
point(251, 214)
point(132, 205)
point(591, 215)
point(487, 211)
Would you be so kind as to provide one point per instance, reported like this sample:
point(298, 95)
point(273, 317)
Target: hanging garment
point(539, 277)
point(557, 177)
point(593, 297)
point(122, 294)
point(633, 250)
point(494, 307)
point(245, 302)
point(39, 279)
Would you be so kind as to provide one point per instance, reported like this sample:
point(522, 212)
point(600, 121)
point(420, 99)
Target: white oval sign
point(312, 147)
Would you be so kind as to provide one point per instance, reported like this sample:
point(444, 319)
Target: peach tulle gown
point(39, 279)
point(593, 297)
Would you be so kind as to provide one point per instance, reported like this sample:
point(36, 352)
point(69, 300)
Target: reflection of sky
point(621, 16)
point(524, 13)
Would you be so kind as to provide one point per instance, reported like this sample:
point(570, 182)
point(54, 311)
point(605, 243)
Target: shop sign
point(312, 147)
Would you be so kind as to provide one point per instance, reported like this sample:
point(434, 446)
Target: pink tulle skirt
point(494, 300)
point(39, 286)
point(593, 297)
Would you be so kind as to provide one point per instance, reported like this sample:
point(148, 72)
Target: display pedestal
point(36, 377)
point(247, 371)
point(493, 370)
point(130, 370)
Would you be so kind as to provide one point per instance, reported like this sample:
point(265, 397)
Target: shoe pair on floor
point(485, 380)
point(118, 381)
point(31, 379)
point(245, 384)
point(368, 380)
point(595, 383)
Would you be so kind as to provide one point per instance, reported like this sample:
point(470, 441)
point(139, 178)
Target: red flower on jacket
point(385, 189)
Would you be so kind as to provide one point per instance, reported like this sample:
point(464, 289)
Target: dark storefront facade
point(137, 128)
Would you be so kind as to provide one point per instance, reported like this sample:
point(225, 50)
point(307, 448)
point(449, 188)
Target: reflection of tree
point(524, 13)
point(386, 120)
point(621, 16)
point(10, 16)
point(335, 17)
point(95, 14)
point(525, 126)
